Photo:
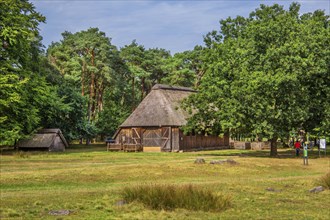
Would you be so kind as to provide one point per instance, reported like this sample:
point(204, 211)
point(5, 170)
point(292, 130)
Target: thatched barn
point(45, 139)
point(155, 125)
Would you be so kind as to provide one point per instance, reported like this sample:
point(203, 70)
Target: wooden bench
point(114, 147)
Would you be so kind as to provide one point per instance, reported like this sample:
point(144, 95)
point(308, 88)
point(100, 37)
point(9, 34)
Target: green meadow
point(88, 183)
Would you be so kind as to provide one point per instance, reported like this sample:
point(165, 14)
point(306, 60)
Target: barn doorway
point(157, 139)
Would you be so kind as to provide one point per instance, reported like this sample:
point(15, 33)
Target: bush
point(325, 181)
point(169, 197)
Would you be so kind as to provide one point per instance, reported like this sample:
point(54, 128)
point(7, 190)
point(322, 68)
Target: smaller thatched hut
point(51, 139)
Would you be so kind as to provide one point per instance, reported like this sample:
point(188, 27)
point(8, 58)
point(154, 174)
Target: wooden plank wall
point(177, 140)
point(202, 142)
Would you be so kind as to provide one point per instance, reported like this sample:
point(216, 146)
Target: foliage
point(169, 197)
point(146, 67)
point(112, 116)
point(266, 76)
point(22, 90)
point(186, 68)
point(262, 76)
point(86, 58)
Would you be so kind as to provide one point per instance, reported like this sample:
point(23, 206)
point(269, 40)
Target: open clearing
point(88, 182)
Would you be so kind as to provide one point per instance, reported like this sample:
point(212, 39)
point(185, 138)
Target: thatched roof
point(161, 107)
point(42, 139)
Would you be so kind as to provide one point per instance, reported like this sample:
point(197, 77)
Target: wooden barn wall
point(202, 142)
point(175, 139)
point(129, 136)
point(170, 139)
point(147, 137)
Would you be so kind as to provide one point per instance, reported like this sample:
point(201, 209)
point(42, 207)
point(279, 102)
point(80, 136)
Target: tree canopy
point(24, 91)
point(266, 75)
point(261, 76)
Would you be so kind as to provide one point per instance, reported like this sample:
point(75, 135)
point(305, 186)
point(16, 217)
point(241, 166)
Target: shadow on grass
point(74, 148)
point(281, 154)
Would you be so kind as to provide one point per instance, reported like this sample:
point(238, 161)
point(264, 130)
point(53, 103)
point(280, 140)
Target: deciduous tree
point(264, 74)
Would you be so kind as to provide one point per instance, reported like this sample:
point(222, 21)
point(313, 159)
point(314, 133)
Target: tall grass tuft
point(169, 197)
point(21, 154)
point(325, 181)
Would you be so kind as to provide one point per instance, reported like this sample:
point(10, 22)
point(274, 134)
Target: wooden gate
point(136, 138)
point(157, 137)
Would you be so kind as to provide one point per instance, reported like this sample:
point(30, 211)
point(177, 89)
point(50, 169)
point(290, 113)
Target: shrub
point(325, 181)
point(169, 197)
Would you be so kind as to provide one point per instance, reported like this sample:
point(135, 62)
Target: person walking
point(297, 146)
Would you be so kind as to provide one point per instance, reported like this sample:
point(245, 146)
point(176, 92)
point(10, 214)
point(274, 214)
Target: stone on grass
point(121, 203)
point(200, 161)
point(229, 161)
point(218, 161)
point(317, 189)
point(59, 212)
point(273, 190)
point(232, 162)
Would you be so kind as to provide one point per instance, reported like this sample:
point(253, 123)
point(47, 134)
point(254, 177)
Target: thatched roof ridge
point(161, 107)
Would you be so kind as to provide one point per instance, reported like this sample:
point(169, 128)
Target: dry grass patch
point(170, 197)
point(325, 181)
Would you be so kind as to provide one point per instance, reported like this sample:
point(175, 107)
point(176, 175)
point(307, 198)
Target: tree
point(263, 72)
point(65, 108)
point(186, 68)
point(89, 62)
point(146, 67)
point(86, 57)
point(20, 85)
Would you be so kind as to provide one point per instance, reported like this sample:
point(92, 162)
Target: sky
point(176, 26)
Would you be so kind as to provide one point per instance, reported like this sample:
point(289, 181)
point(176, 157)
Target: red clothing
point(297, 145)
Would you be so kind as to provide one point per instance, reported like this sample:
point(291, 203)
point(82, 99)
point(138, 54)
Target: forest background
point(261, 76)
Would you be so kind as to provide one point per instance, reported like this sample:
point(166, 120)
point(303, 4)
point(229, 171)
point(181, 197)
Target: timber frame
point(164, 139)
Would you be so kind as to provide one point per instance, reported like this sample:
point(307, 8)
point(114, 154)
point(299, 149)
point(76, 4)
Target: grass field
point(89, 182)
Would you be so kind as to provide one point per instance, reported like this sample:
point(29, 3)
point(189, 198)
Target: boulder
point(273, 190)
point(200, 161)
point(317, 189)
point(121, 203)
point(232, 162)
point(59, 212)
point(218, 161)
point(229, 161)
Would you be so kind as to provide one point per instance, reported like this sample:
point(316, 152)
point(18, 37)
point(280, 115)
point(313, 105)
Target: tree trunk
point(142, 88)
point(133, 93)
point(100, 99)
point(200, 74)
point(89, 111)
point(94, 100)
point(91, 88)
point(273, 147)
point(82, 79)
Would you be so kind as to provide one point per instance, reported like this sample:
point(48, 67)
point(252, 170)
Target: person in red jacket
point(297, 146)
